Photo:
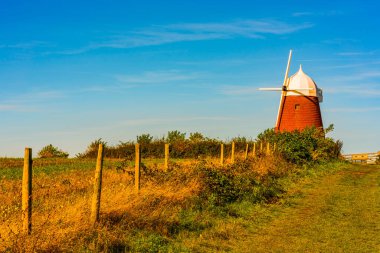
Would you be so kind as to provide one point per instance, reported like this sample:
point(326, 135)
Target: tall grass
point(187, 199)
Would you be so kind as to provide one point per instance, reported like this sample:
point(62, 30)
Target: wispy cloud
point(354, 109)
point(350, 65)
point(162, 121)
point(182, 32)
point(320, 13)
point(352, 77)
point(152, 77)
point(5, 107)
point(36, 96)
point(158, 121)
point(172, 33)
point(363, 90)
point(301, 14)
point(245, 28)
point(340, 41)
point(37, 99)
point(30, 101)
point(16, 107)
point(356, 53)
point(26, 45)
point(238, 90)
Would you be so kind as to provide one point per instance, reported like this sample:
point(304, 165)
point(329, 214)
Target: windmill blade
point(282, 89)
point(320, 95)
point(287, 69)
point(270, 89)
point(284, 86)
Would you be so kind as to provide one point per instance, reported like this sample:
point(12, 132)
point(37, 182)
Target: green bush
point(196, 137)
point(144, 139)
point(298, 147)
point(175, 136)
point(50, 151)
point(196, 146)
point(237, 182)
point(92, 149)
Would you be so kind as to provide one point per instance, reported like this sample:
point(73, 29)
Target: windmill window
point(297, 106)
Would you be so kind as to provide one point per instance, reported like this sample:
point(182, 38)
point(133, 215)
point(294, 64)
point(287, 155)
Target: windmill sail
point(271, 89)
point(284, 87)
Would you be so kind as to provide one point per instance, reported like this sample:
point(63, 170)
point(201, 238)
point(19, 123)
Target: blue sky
point(75, 71)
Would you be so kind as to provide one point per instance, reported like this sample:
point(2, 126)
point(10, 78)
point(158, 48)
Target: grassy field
point(338, 213)
point(332, 207)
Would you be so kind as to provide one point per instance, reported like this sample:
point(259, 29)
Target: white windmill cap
point(303, 83)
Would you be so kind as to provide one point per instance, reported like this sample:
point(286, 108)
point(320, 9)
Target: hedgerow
point(196, 146)
point(296, 147)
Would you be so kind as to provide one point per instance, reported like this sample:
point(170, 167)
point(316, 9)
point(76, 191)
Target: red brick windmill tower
point(299, 104)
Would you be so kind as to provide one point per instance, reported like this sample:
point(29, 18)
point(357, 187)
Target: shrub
point(50, 151)
point(303, 146)
point(92, 149)
point(297, 147)
point(196, 137)
point(144, 139)
point(175, 136)
point(238, 182)
point(196, 146)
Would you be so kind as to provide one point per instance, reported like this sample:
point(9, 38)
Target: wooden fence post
point(233, 152)
point(246, 151)
point(261, 146)
point(137, 167)
point(27, 192)
point(95, 207)
point(221, 154)
point(274, 147)
point(254, 150)
point(268, 149)
point(166, 166)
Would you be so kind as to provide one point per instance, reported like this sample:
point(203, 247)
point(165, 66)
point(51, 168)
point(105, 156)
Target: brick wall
point(299, 112)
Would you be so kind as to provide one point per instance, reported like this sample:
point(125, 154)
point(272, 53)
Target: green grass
point(12, 168)
point(336, 210)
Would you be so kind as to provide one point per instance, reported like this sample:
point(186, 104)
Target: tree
point(92, 149)
point(144, 139)
point(50, 151)
point(329, 129)
point(196, 137)
point(95, 145)
point(175, 136)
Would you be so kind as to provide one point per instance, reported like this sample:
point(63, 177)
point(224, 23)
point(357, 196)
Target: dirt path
point(341, 213)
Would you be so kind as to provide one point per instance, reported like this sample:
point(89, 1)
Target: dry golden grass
point(61, 206)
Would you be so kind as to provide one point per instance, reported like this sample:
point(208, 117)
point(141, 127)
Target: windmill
point(299, 105)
